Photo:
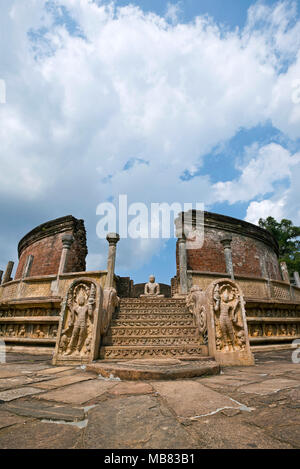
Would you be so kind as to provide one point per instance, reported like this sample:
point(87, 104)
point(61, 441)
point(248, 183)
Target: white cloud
point(173, 11)
point(264, 166)
point(133, 86)
point(264, 209)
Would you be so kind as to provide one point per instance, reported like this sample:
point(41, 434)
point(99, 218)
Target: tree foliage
point(287, 236)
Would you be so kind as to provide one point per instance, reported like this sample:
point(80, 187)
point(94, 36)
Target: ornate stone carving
point(196, 303)
point(228, 339)
point(153, 352)
point(219, 314)
point(111, 302)
point(228, 322)
point(79, 332)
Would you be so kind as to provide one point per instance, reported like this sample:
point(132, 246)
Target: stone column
point(67, 241)
point(297, 279)
point(228, 256)
point(183, 265)
point(112, 239)
point(285, 272)
point(1, 274)
point(8, 271)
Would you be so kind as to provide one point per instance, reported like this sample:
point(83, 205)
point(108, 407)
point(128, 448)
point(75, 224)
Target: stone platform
point(163, 369)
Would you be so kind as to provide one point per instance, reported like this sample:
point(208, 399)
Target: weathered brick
point(254, 251)
point(45, 244)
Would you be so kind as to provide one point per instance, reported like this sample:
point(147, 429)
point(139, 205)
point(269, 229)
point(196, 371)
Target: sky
point(196, 101)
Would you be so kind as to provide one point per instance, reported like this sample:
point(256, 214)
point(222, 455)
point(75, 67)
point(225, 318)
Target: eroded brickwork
point(45, 244)
point(253, 250)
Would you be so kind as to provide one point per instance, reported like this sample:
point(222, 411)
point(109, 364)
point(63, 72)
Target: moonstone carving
point(79, 333)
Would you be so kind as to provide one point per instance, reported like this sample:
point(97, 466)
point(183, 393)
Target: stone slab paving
point(135, 422)
point(79, 393)
point(53, 371)
point(8, 419)
point(8, 373)
point(41, 435)
point(11, 383)
point(270, 386)
point(64, 381)
point(222, 431)
point(191, 399)
point(255, 407)
point(219, 382)
point(131, 388)
point(13, 394)
point(45, 410)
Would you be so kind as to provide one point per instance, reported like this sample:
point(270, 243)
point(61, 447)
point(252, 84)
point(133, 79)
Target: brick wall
point(253, 253)
point(45, 244)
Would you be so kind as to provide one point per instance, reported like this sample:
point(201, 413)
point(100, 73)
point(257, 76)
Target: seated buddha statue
point(152, 289)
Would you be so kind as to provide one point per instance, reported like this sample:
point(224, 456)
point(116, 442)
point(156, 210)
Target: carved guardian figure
point(78, 337)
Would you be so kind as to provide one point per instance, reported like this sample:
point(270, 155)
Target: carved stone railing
point(273, 322)
point(272, 308)
point(33, 322)
point(252, 287)
point(45, 286)
point(30, 308)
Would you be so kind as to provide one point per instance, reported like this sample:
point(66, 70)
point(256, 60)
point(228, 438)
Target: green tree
point(287, 236)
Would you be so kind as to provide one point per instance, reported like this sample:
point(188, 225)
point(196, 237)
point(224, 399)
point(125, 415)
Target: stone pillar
point(183, 265)
point(285, 272)
point(297, 279)
point(67, 241)
point(8, 271)
point(228, 256)
point(112, 239)
point(1, 274)
point(28, 265)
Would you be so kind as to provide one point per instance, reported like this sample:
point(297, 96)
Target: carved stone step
point(153, 311)
point(155, 369)
point(152, 316)
point(186, 351)
point(160, 301)
point(153, 323)
point(151, 341)
point(152, 305)
point(152, 331)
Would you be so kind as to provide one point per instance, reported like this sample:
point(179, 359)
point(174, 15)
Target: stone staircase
point(153, 328)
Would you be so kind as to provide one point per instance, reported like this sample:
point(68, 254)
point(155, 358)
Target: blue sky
point(232, 13)
point(194, 101)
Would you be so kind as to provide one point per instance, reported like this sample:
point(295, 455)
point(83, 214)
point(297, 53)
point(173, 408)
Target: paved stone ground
point(67, 407)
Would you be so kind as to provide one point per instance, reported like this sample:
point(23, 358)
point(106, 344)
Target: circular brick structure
point(254, 250)
point(44, 243)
